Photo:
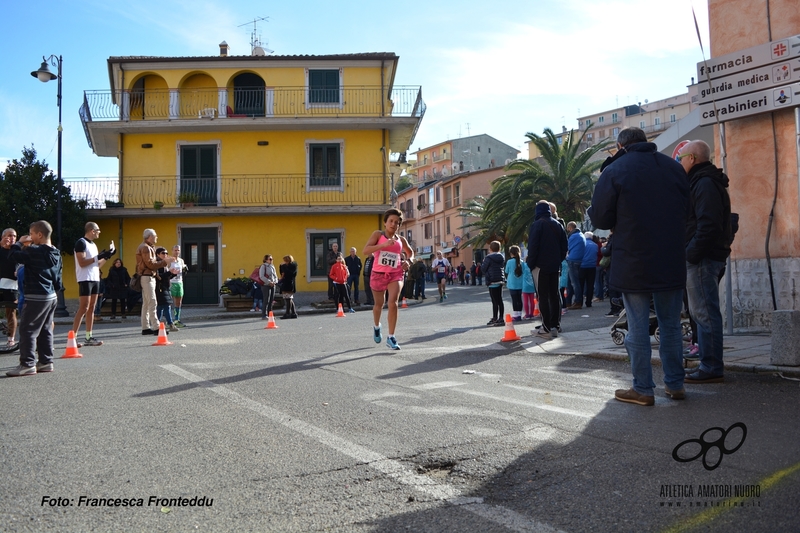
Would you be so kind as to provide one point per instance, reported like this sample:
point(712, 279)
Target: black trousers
point(587, 277)
point(498, 308)
point(342, 295)
point(549, 300)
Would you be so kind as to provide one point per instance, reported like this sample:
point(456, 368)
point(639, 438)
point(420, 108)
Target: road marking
point(524, 403)
point(437, 385)
point(391, 468)
point(445, 411)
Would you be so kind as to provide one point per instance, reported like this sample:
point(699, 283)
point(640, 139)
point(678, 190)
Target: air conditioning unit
point(443, 244)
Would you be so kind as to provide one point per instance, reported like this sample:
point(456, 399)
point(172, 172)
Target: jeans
point(419, 287)
point(166, 312)
point(702, 288)
point(268, 295)
point(352, 285)
point(600, 282)
point(668, 305)
point(576, 294)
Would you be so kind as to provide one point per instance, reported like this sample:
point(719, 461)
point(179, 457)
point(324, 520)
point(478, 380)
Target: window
point(614, 117)
point(430, 200)
point(490, 150)
point(641, 124)
point(321, 244)
point(408, 236)
point(448, 195)
point(425, 159)
point(457, 194)
point(424, 174)
point(438, 194)
point(560, 140)
point(600, 120)
point(324, 87)
point(324, 165)
point(479, 149)
point(589, 136)
point(427, 229)
point(672, 117)
point(657, 121)
point(447, 226)
point(199, 172)
point(421, 201)
point(616, 132)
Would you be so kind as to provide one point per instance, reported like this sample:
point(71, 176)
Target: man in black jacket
point(547, 248)
point(353, 264)
point(42, 282)
point(644, 196)
point(708, 238)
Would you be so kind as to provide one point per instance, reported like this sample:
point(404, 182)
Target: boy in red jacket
point(339, 274)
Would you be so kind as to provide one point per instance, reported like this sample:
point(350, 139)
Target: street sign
point(748, 59)
point(751, 104)
point(749, 81)
point(678, 148)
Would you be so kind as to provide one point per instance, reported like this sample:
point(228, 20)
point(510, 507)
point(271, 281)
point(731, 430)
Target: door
point(198, 174)
point(200, 248)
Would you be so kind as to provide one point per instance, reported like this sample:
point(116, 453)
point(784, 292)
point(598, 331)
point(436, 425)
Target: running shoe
point(376, 334)
point(91, 341)
point(46, 367)
point(351, 310)
point(445, 296)
point(441, 299)
point(391, 342)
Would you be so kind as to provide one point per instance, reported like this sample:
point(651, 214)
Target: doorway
point(200, 251)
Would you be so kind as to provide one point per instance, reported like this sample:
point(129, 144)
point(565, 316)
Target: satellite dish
point(258, 51)
point(646, 101)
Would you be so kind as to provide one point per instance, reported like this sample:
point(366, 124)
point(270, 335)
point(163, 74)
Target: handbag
point(136, 283)
point(255, 277)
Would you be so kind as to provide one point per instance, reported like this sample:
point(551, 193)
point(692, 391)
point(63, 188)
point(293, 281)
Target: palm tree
point(566, 177)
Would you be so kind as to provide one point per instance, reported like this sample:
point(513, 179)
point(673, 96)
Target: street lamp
point(44, 75)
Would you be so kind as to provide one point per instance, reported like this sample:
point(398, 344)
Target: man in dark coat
point(353, 264)
point(547, 248)
point(708, 238)
point(644, 196)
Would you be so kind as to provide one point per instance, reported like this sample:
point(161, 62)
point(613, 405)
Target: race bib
point(441, 269)
point(390, 259)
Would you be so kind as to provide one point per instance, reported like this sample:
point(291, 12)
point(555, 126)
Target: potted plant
point(158, 205)
point(111, 204)
point(188, 199)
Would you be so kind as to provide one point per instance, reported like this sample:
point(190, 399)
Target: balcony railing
point(266, 190)
point(210, 103)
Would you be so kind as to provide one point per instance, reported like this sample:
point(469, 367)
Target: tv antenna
point(256, 47)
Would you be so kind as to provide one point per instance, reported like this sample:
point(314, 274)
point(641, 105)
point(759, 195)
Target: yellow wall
point(245, 239)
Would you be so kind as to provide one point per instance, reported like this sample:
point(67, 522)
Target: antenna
point(256, 47)
point(467, 129)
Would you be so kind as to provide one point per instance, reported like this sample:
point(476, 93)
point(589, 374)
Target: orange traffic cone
point(405, 304)
point(162, 336)
point(72, 347)
point(510, 334)
point(271, 322)
point(340, 312)
point(536, 311)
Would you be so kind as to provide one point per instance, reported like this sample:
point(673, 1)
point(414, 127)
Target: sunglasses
point(679, 158)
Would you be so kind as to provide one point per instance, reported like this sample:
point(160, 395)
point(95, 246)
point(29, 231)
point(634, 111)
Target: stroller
point(620, 327)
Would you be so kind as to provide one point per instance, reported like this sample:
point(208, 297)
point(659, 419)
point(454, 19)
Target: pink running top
point(388, 259)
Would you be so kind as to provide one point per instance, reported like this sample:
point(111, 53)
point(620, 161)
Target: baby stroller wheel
point(657, 335)
point(618, 337)
point(686, 331)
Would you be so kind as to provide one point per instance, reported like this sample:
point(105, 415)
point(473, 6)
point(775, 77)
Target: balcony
point(441, 157)
point(213, 195)
point(105, 114)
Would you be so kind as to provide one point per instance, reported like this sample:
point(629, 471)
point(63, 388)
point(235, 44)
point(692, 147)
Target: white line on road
point(437, 385)
point(390, 467)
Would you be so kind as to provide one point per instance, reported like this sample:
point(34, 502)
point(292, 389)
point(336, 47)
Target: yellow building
point(235, 157)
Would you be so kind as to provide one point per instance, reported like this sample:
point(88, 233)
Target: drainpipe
point(797, 142)
point(728, 271)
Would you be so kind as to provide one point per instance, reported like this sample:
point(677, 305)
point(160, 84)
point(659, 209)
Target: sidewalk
point(742, 353)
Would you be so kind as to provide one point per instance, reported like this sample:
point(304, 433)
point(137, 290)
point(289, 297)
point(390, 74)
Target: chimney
point(223, 49)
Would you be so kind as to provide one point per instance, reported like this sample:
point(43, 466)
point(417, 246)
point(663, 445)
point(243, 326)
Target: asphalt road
point(314, 427)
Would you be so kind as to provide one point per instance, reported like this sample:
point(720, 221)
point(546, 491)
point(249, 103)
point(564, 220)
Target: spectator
point(547, 248)
point(577, 246)
point(117, 284)
point(353, 264)
point(642, 193)
point(493, 268)
point(288, 270)
point(708, 240)
point(8, 283)
point(42, 282)
point(147, 264)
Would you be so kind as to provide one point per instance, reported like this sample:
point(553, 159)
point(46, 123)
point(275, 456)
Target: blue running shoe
point(391, 342)
point(351, 310)
point(376, 334)
point(445, 296)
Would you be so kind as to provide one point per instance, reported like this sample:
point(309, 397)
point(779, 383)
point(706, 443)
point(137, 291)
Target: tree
point(566, 177)
point(403, 183)
point(28, 192)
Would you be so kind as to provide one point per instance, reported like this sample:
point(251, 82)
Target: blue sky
point(502, 68)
